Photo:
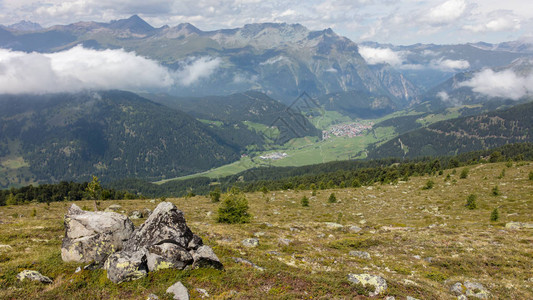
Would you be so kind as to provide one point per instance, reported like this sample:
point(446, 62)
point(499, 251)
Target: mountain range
point(431, 100)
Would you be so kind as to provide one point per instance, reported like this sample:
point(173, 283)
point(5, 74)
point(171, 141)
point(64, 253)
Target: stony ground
point(421, 241)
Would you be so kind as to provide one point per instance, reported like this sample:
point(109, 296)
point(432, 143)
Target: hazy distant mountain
point(282, 60)
point(427, 65)
point(25, 26)
point(458, 91)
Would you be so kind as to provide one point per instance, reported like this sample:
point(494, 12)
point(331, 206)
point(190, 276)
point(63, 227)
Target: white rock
point(377, 282)
point(179, 291)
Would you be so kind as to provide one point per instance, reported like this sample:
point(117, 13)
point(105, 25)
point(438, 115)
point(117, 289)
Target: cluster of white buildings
point(347, 130)
point(274, 156)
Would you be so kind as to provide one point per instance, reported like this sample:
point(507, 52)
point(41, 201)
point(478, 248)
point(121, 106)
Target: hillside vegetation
point(464, 134)
point(420, 240)
point(72, 136)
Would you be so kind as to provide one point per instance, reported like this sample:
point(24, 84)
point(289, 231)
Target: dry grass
point(420, 241)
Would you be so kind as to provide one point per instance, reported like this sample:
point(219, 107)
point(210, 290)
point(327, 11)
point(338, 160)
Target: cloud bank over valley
point(79, 69)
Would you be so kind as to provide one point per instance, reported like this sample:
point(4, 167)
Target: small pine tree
point(264, 190)
point(356, 183)
point(305, 201)
point(342, 185)
point(332, 198)
point(215, 195)
point(471, 201)
point(494, 215)
point(94, 190)
point(502, 174)
point(429, 185)
point(464, 173)
point(234, 208)
point(531, 175)
point(495, 191)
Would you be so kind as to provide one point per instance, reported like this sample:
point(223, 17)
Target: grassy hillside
point(115, 134)
point(463, 134)
point(421, 241)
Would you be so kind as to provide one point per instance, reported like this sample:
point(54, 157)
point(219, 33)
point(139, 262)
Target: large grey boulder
point(123, 266)
point(166, 241)
point(33, 276)
point(93, 236)
point(165, 224)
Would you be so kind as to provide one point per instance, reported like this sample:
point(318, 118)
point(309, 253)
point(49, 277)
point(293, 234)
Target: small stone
point(409, 282)
point(477, 290)
point(458, 288)
point(152, 297)
point(417, 257)
point(410, 298)
point(259, 234)
point(78, 269)
point(135, 215)
point(378, 282)
point(178, 291)
point(113, 208)
point(360, 254)
point(332, 225)
point(33, 276)
point(251, 242)
point(247, 262)
point(5, 247)
point(462, 297)
point(390, 298)
point(284, 242)
point(362, 222)
point(354, 229)
point(513, 225)
point(203, 293)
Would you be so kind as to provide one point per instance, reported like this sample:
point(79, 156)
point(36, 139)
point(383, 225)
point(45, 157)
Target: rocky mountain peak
point(25, 26)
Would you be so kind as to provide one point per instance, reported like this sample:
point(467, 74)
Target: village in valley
point(347, 130)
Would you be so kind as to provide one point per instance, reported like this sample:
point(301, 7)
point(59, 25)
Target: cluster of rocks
point(110, 240)
point(469, 289)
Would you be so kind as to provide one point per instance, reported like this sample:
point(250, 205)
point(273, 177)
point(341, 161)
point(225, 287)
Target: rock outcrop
point(93, 236)
point(163, 241)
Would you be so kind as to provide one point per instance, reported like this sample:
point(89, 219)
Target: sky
point(399, 22)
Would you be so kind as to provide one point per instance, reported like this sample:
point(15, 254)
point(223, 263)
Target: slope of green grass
point(421, 241)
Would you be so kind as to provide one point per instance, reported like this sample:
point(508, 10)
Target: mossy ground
point(420, 240)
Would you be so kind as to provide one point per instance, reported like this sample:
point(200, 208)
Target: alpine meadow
point(316, 149)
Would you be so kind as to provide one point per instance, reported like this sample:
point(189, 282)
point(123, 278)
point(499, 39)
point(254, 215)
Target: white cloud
point(502, 20)
point(446, 12)
point(78, 69)
point(195, 69)
point(449, 65)
point(505, 84)
point(375, 56)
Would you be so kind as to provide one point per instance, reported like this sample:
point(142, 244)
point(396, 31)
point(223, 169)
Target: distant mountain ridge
point(282, 60)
